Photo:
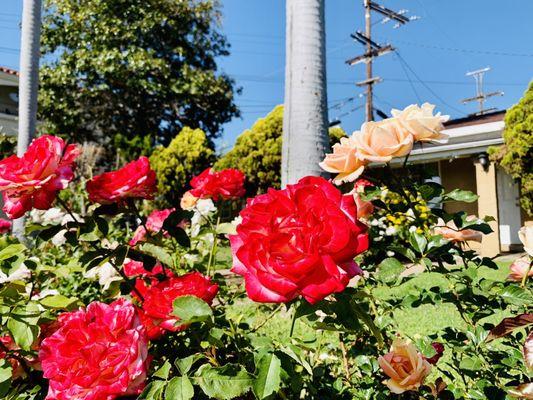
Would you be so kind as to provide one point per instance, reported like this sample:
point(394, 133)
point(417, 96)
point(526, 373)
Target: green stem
point(213, 251)
point(526, 275)
point(293, 323)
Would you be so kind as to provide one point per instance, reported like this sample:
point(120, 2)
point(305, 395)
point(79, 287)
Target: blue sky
point(451, 38)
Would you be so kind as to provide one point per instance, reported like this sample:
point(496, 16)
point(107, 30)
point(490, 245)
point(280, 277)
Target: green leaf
point(163, 371)
point(179, 388)
point(224, 383)
point(268, 373)
point(389, 270)
point(461, 195)
point(418, 241)
point(470, 364)
point(515, 295)
point(23, 334)
point(369, 322)
point(184, 364)
point(11, 251)
point(59, 301)
point(154, 391)
point(191, 309)
point(5, 377)
point(157, 252)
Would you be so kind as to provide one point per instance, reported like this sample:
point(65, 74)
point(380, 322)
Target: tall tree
point(516, 154)
point(305, 125)
point(28, 83)
point(133, 72)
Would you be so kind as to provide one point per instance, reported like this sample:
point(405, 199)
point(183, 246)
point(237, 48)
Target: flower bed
point(120, 300)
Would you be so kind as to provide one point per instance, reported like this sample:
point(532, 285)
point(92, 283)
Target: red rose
point(225, 184)
point(156, 309)
point(136, 268)
point(8, 344)
point(135, 180)
point(100, 353)
point(439, 350)
point(298, 241)
point(5, 226)
point(33, 180)
point(364, 208)
point(154, 223)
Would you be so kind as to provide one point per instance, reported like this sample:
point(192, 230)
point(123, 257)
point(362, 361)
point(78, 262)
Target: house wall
point(459, 173)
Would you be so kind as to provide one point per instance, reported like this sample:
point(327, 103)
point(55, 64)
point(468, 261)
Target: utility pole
point(374, 49)
point(481, 96)
point(28, 84)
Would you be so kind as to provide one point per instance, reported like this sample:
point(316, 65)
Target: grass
point(424, 320)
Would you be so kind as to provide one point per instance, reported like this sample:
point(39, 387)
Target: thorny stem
point(130, 283)
point(344, 358)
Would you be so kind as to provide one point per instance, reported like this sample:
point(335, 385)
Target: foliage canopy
point(257, 151)
point(187, 155)
point(132, 72)
point(516, 155)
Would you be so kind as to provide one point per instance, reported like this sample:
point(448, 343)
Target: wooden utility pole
point(373, 49)
point(368, 34)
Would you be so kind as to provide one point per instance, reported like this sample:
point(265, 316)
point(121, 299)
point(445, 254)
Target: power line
point(426, 86)
point(409, 79)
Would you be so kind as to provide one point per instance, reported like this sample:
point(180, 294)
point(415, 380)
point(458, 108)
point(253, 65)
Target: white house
point(9, 82)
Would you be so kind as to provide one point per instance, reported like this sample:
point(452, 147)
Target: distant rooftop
point(476, 119)
point(9, 71)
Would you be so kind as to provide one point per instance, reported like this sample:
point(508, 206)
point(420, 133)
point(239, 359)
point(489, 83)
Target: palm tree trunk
point(28, 83)
point(305, 119)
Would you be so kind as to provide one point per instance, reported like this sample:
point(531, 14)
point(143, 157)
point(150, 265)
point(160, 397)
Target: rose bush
point(87, 313)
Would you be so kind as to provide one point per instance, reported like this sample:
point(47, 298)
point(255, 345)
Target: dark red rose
point(226, 184)
point(135, 180)
point(33, 180)
point(299, 241)
point(439, 350)
point(5, 226)
point(156, 309)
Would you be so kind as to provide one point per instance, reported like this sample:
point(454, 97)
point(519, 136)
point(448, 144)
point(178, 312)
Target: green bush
point(257, 152)
point(516, 155)
point(187, 155)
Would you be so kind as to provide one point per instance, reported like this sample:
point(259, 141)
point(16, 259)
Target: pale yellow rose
point(450, 231)
point(405, 366)
point(421, 123)
point(526, 237)
point(524, 391)
point(519, 268)
point(344, 161)
point(188, 201)
point(383, 140)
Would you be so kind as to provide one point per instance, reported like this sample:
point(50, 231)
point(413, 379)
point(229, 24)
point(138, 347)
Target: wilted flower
point(450, 232)
point(105, 273)
point(519, 268)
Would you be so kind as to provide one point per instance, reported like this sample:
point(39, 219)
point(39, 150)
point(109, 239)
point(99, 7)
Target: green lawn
point(424, 320)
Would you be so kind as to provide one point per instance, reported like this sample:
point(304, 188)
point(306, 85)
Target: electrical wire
point(426, 86)
point(409, 79)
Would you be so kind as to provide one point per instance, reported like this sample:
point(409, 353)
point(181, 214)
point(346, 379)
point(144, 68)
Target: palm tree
point(305, 120)
point(28, 83)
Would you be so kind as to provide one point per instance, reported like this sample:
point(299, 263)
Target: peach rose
point(405, 366)
point(450, 232)
point(519, 268)
point(344, 161)
point(188, 201)
point(421, 123)
point(383, 140)
point(526, 237)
